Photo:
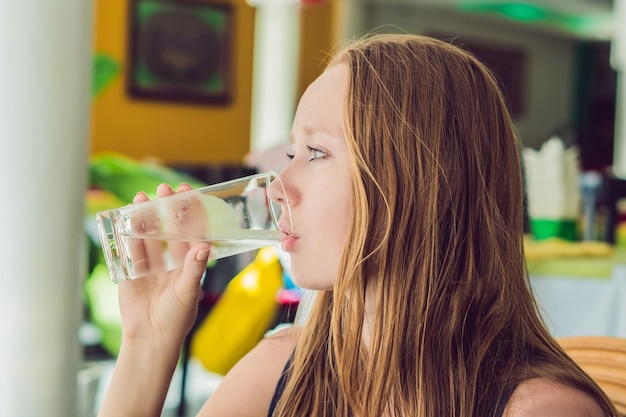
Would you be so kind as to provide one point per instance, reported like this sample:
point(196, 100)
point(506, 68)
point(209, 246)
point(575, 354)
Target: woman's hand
point(158, 310)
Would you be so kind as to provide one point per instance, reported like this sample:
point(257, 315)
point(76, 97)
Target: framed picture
point(180, 50)
point(509, 67)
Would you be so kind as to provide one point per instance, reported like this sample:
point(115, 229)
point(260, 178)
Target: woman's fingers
point(184, 187)
point(181, 219)
point(136, 247)
point(193, 269)
point(150, 224)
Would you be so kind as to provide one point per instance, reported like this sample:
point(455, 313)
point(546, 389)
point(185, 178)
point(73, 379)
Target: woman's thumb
point(195, 264)
point(202, 255)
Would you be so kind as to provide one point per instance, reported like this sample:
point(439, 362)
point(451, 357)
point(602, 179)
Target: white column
point(45, 74)
point(618, 61)
point(275, 71)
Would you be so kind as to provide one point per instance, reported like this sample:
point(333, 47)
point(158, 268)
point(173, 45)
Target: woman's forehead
point(321, 108)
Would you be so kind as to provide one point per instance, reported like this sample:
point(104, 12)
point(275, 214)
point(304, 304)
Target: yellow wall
point(190, 133)
point(317, 40)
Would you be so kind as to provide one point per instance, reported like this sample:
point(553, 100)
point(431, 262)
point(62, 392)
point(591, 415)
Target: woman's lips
point(287, 239)
point(287, 242)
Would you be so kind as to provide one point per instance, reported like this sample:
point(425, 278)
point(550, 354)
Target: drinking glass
point(153, 236)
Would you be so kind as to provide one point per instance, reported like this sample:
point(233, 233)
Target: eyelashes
point(315, 154)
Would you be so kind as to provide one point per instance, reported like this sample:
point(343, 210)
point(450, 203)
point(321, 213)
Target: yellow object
point(620, 235)
point(241, 316)
point(558, 248)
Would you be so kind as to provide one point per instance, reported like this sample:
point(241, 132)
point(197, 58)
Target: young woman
point(406, 196)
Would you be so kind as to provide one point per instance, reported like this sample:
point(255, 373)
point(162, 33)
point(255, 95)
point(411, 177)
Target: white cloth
point(552, 180)
point(575, 306)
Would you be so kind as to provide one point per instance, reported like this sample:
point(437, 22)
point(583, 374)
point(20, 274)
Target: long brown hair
point(436, 240)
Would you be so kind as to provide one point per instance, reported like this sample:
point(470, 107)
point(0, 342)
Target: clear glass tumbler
point(234, 216)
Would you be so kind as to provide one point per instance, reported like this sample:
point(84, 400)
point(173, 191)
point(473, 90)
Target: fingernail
point(138, 197)
point(164, 186)
point(202, 255)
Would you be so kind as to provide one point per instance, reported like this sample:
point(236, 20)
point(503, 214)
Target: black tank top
point(280, 387)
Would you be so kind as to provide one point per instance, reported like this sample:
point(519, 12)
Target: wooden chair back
point(604, 360)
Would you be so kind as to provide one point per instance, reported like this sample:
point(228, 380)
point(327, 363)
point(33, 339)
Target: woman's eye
point(315, 153)
point(290, 155)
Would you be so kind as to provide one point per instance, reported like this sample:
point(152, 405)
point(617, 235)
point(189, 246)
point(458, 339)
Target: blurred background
point(102, 99)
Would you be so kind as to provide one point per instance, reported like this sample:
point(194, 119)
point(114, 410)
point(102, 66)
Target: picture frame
point(508, 64)
point(180, 51)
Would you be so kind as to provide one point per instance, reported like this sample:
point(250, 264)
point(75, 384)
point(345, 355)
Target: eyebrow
point(310, 131)
point(314, 131)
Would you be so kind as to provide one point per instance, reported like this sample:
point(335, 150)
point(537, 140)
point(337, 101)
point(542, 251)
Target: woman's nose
point(276, 189)
point(277, 194)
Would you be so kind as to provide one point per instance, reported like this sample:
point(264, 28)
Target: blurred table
point(580, 296)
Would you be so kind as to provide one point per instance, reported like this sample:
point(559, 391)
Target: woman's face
point(317, 182)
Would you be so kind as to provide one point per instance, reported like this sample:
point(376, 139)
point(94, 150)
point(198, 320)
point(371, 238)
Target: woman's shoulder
point(541, 397)
point(247, 389)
